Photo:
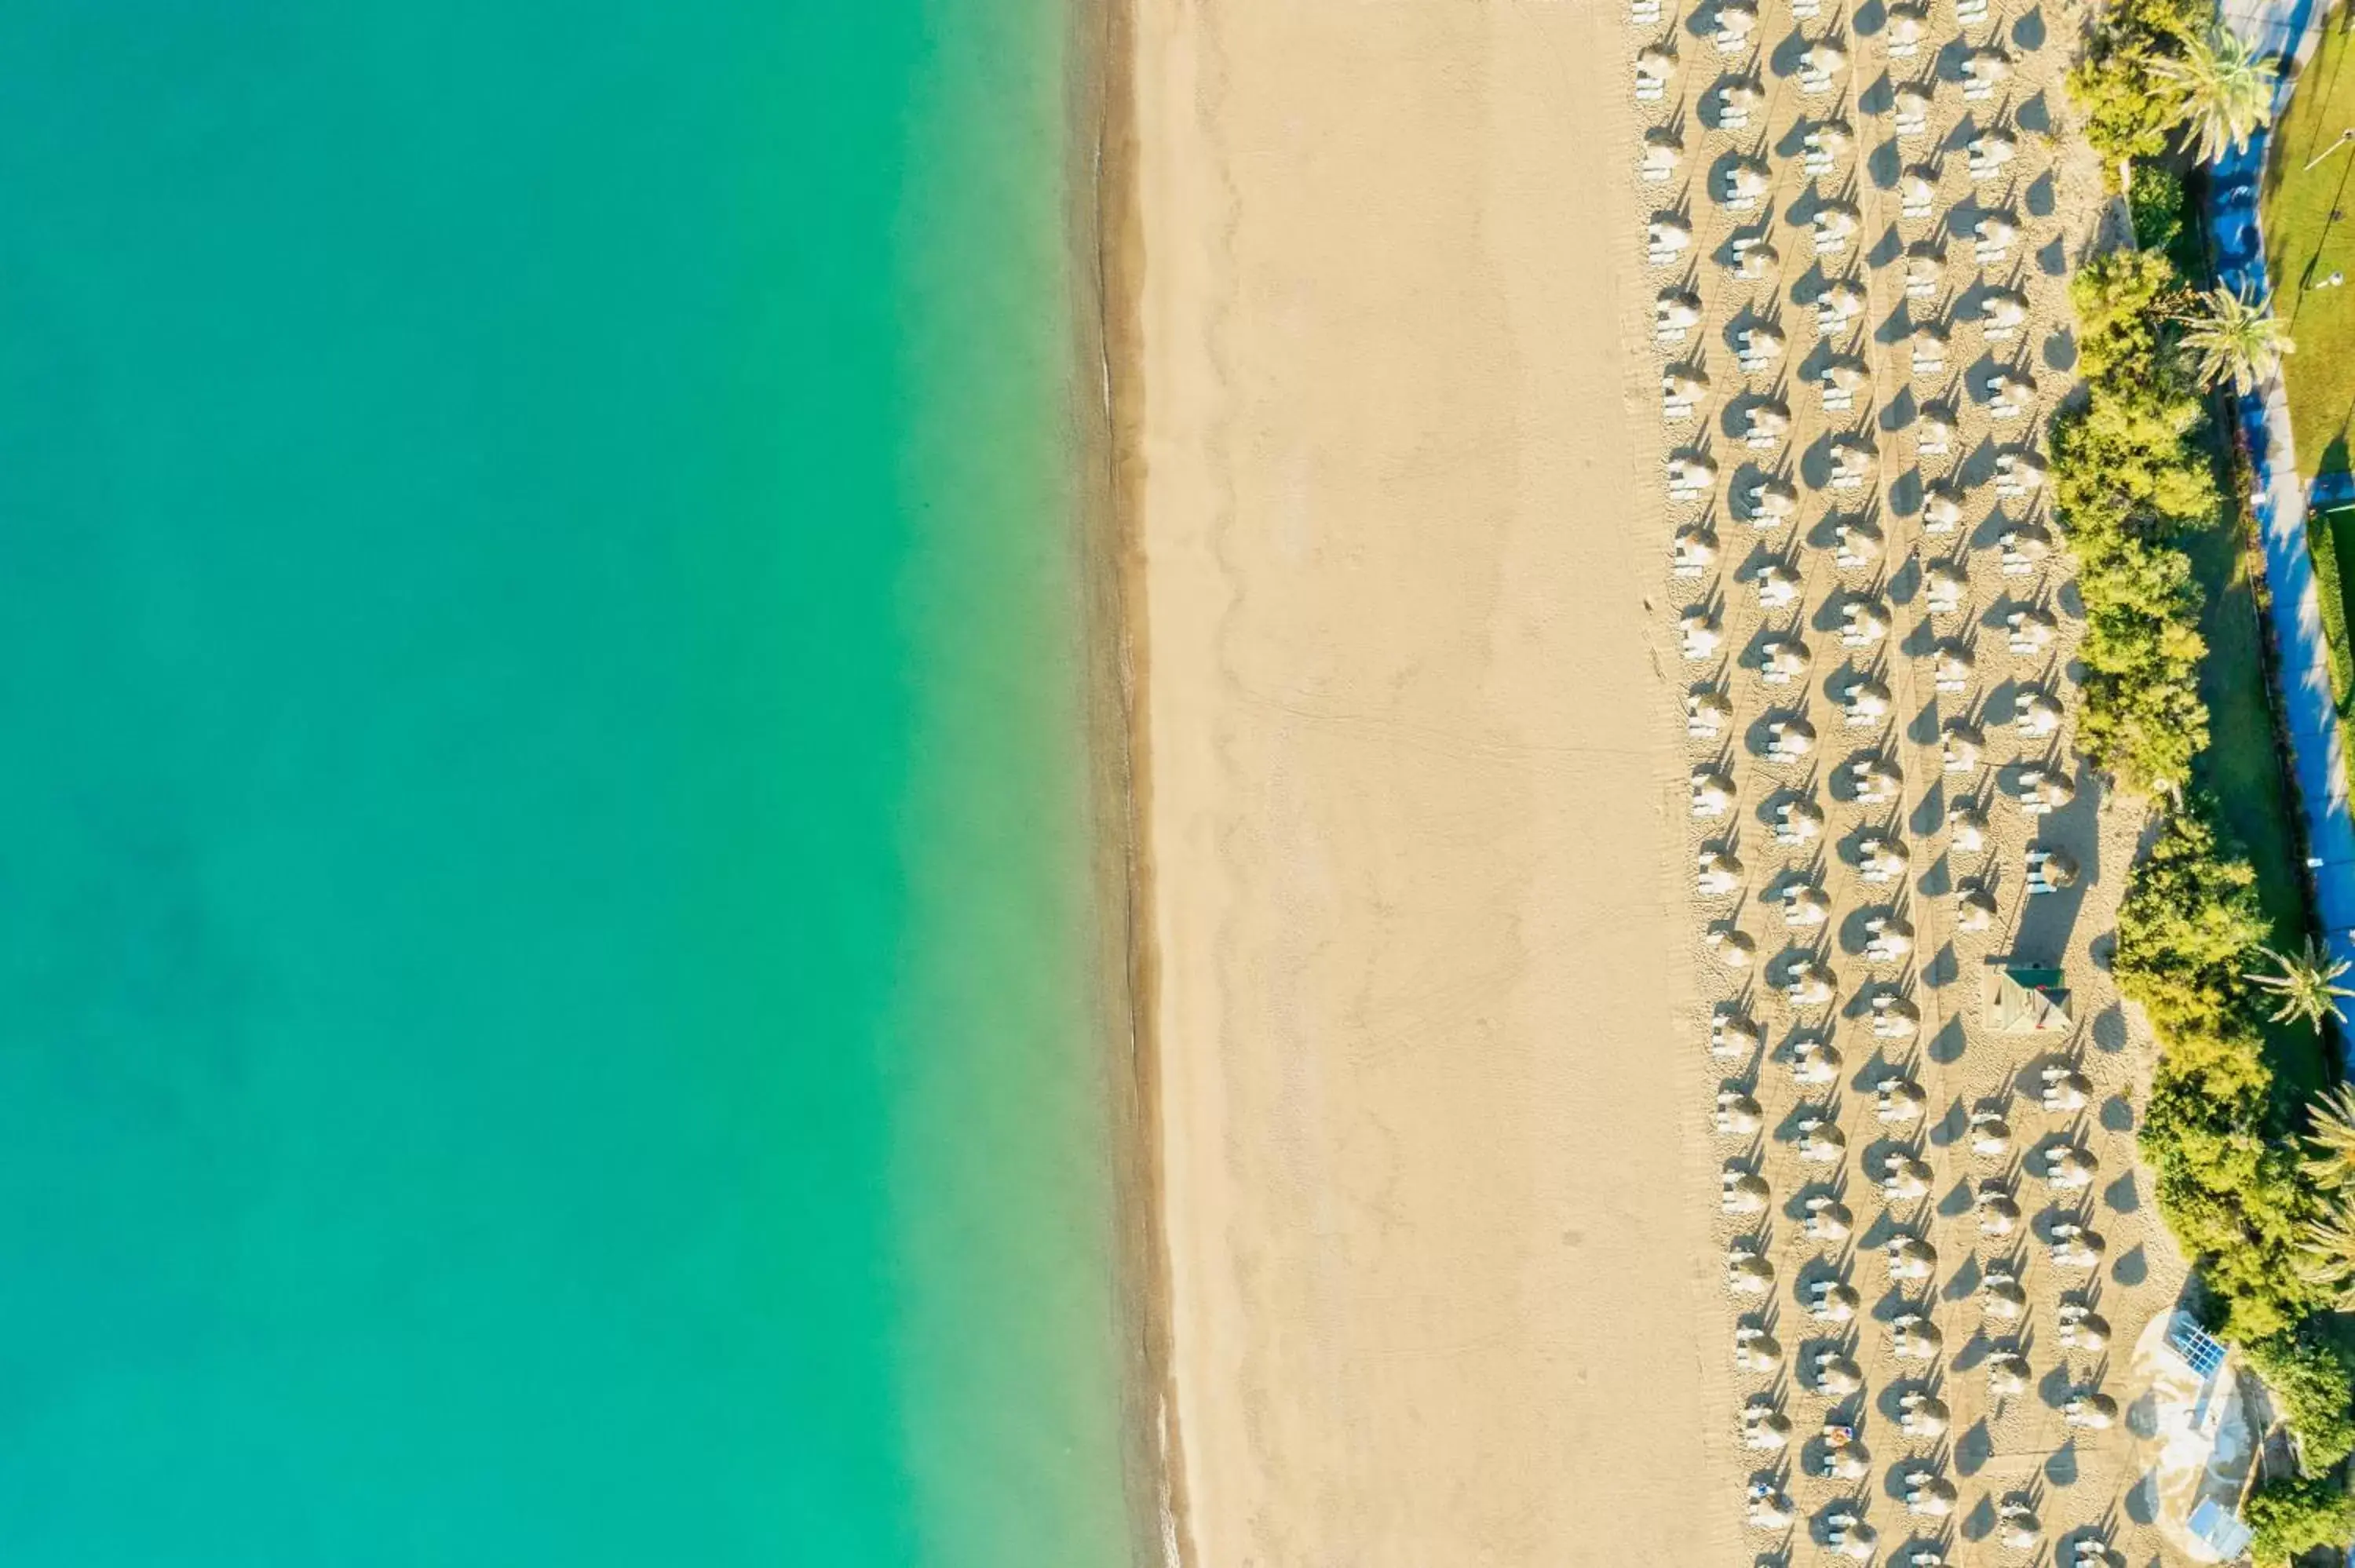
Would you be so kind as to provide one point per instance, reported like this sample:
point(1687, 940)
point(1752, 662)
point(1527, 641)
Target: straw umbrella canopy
point(1973, 909)
point(1765, 421)
point(1991, 1135)
point(1835, 223)
point(1747, 1273)
point(1967, 828)
point(1922, 1414)
point(2064, 1090)
point(1775, 583)
point(1786, 657)
point(1881, 857)
point(1699, 633)
point(2090, 1408)
point(1814, 1063)
point(2017, 1525)
point(1841, 301)
point(2074, 1246)
point(1997, 1211)
point(1927, 1493)
point(1720, 873)
point(2007, 1374)
point(1915, 190)
point(1742, 1192)
point(1694, 549)
point(1829, 1301)
point(1909, 1257)
point(1772, 499)
point(1903, 1178)
point(1907, 26)
point(1988, 152)
point(1821, 1142)
point(1835, 1375)
point(1898, 1100)
point(1942, 506)
point(1765, 1507)
point(1737, 1113)
point(1805, 907)
point(2036, 712)
point(1655, 65)
point(2082, 1328)
point(1734, 948)
point(2003, 310)
point(2069, 1167)
point(1799, 821)
point(1808, 984)
point(1738, 97)
point(1934, 426)
point(1712, 793)
point(2000, 1296)
point(1986, 66)
point(1865, 702)
point(1859, 544)
point(1827, 1219)
point(1788, 739)
point(1762, 1425)
point(1677, 309)
point(1913, 1338)
point(1960, 744)
point(1664, 152)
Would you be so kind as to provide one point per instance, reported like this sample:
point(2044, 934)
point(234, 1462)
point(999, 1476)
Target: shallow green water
point(539, 909)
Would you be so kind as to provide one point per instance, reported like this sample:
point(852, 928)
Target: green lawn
point(2240, 771)
point(2305, 244)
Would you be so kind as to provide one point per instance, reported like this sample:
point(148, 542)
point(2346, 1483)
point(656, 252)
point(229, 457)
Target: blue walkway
point(2279, 504)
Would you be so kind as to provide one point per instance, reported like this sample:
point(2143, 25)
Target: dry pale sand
point(1439, 1187)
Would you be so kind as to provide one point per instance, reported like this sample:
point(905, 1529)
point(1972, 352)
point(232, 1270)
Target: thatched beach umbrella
point(1693, 552)
point(1855, 544)
point(1989, 154)
point(1928, 343)
point(1842, 380)
point(1951, 663)
point(1984, 68)
point(2074, 1246)
point(2065, 1089)
point(1833, 226)
point(1967, 828)
point(1776, 584)
point(1737, 1114)
point(1974, 908)
point(1692, 474)
point(1907, 28)
point(1798, 822)
point(1699, 633)
point(1851, 461)
point(1734, 1034)
point(1664, 152)
point(1898, 1100)
point(1738, 98)
point(1755, 1349)
point(1656, 67)
point(1763, 1427)
point(1926, 1492)
point(1909, 1257)
point(1683, 389)
point(2026, 548)
point(2082, 1328)
point(2017, 1526)
point(1766, 423)
point(1788, 740)
point(1772, 501)
point(1991, 1135)
point(1740, 1191)
point(1747, 1273)
point(1814, 1063)
point(1913, 1338)
point(1805, 907)
point(1707, 714)
point(1923, 1414)
point(1744, 185)
point(1712, 793)
point(1917, 191)
point(1736, 21)
point(1829, 1301)
point(1751, 258)
point(1911, 104)
point(1942, 506)
point(1881, 858)
point(1904, 1179)
point(1934, 426)
point(1806, 984)
point(1840, 303)
point(2051, 870)
point(1825, 144)
point(2035, 712)
point(2007, 1374)
point(1666, 238)
point(1876, 781)
point(1782, 660)
point(1827, 1219)
point(1850, 1536)
point(1998, 1214)
point(1733, 948)
point(1765, 1507)
point(2069, 1167)
point(1993, 236)
point(2009, 394)
point(2091, 1409)
point(1834, 1376)
point(1674, 314)
point(1720, 873)
point(1821, 1142)
point(1864, 702)
point(1960, 745)
point(1820, 67)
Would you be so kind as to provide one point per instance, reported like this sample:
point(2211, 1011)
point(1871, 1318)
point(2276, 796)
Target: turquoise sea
point(543, 1000)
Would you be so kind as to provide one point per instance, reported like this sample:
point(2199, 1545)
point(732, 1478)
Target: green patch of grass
point(2241, 772)
point(2309, 217)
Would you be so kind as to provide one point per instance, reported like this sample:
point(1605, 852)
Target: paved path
point(2284, 27)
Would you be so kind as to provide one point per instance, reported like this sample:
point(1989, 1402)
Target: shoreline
point(1108, 239)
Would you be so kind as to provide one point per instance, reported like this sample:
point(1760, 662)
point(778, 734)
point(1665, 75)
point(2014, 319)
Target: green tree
point(2235, 342)
point(2330, 1142)
point(2305, 985)
point(2292, 1515)
point(2219, 89)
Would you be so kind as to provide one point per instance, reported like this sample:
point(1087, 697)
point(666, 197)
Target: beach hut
point(2021, 999)
point(1699, 633)
point(1693, 551)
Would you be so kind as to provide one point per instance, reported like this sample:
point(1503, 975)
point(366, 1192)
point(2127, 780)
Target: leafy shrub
point(2156, 199)
point(2309, 1377)
point(2292, 1515)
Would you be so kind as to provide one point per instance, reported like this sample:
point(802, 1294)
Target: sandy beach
point(1606, 701)
point(1437, 1191)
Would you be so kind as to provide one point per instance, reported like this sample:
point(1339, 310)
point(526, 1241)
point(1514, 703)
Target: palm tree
point(2234, 340)
point(2305, 986)
point(2223, 90)
point(2330, 1260)
point(2331, 1146)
